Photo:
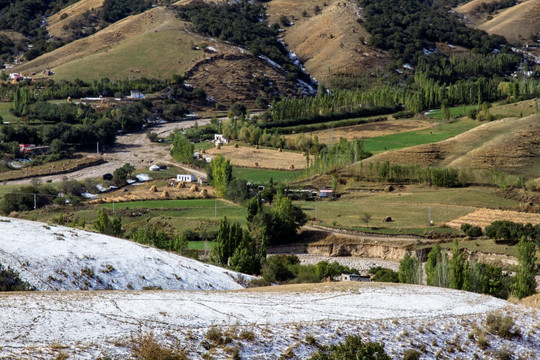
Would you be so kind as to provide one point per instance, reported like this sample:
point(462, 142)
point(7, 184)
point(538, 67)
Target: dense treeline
point(408, 28)
point(423, 93)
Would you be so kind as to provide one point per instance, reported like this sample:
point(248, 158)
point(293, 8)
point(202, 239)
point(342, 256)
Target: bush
point(146, 347)
point(412, 354)
point(472, 231)
point(351, 349)
point(381, 274)
point(10, 280)
point(500, 325)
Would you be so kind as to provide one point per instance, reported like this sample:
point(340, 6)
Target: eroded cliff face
point(366, 250)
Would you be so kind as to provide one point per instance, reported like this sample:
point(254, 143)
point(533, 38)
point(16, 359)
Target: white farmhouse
point(186, 177)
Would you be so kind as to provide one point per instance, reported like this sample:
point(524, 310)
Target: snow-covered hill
point(294, 319)
point(62, 258)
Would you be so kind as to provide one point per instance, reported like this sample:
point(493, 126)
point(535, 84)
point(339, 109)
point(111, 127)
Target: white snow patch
point(61, 258)
point(91, 324)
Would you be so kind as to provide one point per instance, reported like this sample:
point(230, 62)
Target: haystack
point(153, 189)
point(218, 146)
point(204, 193)
point(256, 146)
point(165, 195)
point(203, 151)
point(236, 146)
point(291, 167)
point(256, 164)
point(181, 185)
point(194, 188)
point(279, 150)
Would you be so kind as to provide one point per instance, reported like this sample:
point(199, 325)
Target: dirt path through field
point(134, 148)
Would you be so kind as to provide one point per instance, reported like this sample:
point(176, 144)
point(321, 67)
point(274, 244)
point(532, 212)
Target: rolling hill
point(517, 23)
point(60, 258)
point(57, 21)
point(511, 144)
point(329, 43)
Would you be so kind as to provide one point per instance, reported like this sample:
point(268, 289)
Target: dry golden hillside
point(516, 24)
point(57, 21)
point(330, 43)
point(511, 144)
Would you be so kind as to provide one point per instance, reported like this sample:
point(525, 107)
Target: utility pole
point(35, 201)
point(97, 147)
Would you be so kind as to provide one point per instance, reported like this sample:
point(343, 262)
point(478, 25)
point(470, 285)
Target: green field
point(6, 115)
point(409, 210)
point(441, 132)
point(263, 176)
point(455, 112)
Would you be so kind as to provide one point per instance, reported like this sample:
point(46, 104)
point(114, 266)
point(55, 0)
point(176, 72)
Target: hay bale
point(256, 146)
point(279, 150)
point(236, 146)
point(181, 185)
point(388, 219)
point(203, 151)
point(194, 188)
point(256, 164)
point(389, 188)
point(204, 193)
point(291, 167)
point(165, 195)
point(218, 146)
point(153, 189)
point(303, 153)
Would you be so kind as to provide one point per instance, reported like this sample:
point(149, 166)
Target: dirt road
point(133, 148)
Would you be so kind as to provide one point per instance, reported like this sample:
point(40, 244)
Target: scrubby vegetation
point(10, 281)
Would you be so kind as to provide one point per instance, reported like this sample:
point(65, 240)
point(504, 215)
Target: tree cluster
point(504, 231)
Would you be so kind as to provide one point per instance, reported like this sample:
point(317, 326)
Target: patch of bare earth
point(261, 158)
point(238, 77)
point(484, 217)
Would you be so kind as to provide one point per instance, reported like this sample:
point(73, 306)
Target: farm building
point(219, 139)
point(134, 94)
point(186, 177)
point(354, 277)
point(326, 193)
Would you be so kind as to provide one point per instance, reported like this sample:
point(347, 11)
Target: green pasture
point(455, 112)
point(409, 210)
point(440, 132)
point(263, 176)
point(6, 115)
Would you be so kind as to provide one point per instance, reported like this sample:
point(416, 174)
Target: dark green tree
point(410, 270)
point(219, 172)
point(182, 149)
point(524, 282)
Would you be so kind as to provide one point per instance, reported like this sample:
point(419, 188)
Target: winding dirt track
point(134, 148)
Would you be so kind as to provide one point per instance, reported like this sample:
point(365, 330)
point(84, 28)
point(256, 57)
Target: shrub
point(146, 347)
point(472, 231)
point(500, 325)
point(411, 354)
point(381, 274)
point(352, 348)
point(10, 280)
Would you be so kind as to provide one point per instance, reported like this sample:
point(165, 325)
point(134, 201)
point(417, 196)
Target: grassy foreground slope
point(511, 144)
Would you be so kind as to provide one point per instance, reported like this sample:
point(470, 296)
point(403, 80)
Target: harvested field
point(147, 192)
point(372, 129)
point(484, 217)
point(59, 167)
point(266, 158)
